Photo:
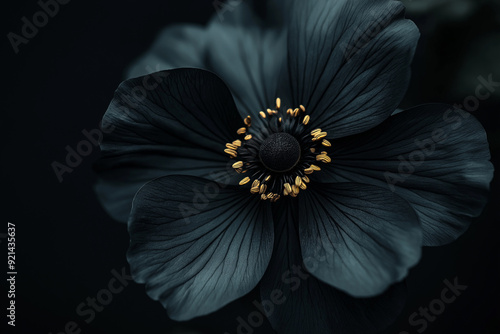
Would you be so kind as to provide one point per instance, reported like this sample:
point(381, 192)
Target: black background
point(61, 83)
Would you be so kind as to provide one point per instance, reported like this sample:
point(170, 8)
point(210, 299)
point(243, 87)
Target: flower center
point(280, 152)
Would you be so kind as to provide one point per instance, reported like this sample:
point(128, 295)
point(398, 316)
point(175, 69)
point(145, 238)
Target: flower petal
point(364, 237)
point(248, 55)
point(433, 156)
point(288, 290)
point(176, 46)
point(171, 122)
point(197, 246)
point(349, 61)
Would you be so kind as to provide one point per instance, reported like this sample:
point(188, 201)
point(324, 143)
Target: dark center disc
point(280, 152)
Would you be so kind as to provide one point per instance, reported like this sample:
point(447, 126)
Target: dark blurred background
point(61, 83)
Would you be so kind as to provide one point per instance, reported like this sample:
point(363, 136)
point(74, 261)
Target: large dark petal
point(176, 46)
point(170, 122)
point(348, 61)
point(297, 302)
point(433, 156)
point(249, 55)
point(198, 246)
point(358, 238)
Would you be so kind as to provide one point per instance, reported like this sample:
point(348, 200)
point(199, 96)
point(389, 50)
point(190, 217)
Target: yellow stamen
point(237, 143)
point(256, 184)
point(319, 136)
point(244, 181)
point(314, 132)
point(262, 114)
point(241, 131)
point(308, 170)
point(298, 181)
point(303, 186)
point(278, 103)
point(306, 179)
point(312, 150)
point(231, 152)
point(316, 168)
point(326, 143)
point(288, 187)
point(248, 121)
point(323, 158)
point(270, 195)
point(263, 188)
point(231, 146)
point(270, 112)
point(306, 120)
point(295, 189)
point(263, 197)
point(302, 108)
point(267, 178)
point(248, 137)
point(238, 164)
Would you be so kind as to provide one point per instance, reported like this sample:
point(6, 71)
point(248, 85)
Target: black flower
point(304, 182)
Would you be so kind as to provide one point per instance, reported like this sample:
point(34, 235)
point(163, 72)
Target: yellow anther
point(316, 168)
point(295, 189)
point(296, 112)
point(326, 143)
point(306, 120)
point(285, 192)
point(263, 197)
point(308, 170)
point(241, 131)
point(319, 135)
point(262, 114)
point(314, 132)
point(298, 181)
point(288, 187)
point(323, 158)
point(237, 143)
point(270, 112)
point(248, 137)
point(232, 146)
point(303, 186)
point(263, 188)
point(289, 111)
point(244, 181)
point(302, 108)
point(256, 184)
point(248, 121)
point(306, 179)
point(238, 164)
point(231, 152)
point(279, 119)
point(270, 195)
point(267, 178)
point(312, 149)
point(278, 103)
